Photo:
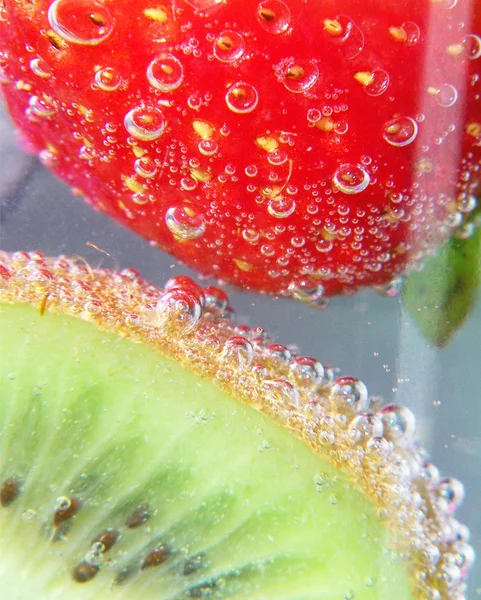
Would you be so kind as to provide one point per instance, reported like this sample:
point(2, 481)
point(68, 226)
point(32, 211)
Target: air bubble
point(239, 350)
point(229, 46)
point(108, 79)
point(274, 16)
point(84, 22)
point(184, 303)
point(208, 147)
point(450, 492)
point(472, 45)
point(42, 107)
point(305, 290)
point(251, 170)
point(313, 115)
point(351, 179)
point(300, 76)
point(409, 33)
point(165, 73)
point(142, 198)
point(399, 424)
point(364, 427)
point(241, 98)
point(349, 393)
point(392, 288)
point(145, 122)
point(307, 372)
point(184, 222)
point(145, 167)
point(41, 68)
point(343, 32)
point(400, 131)
point(447, 95)
point(374, 83)
point(278, 157)
point(281, 207)
point(251, 236)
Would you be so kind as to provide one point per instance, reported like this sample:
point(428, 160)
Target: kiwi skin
point(194, 328)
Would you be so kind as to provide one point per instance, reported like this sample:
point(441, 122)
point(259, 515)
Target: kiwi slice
point(150, 448)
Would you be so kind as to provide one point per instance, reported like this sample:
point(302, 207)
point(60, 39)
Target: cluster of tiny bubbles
point(281, 207)
point(351, 179)
point(145, 167)
point(108, 79)
point(41, 106)
point(165, 73)
point(365, 426)
point(349, 393)
point(447, 95)
point(238, 350)
point(282, 391)
point(184, 222)
point(241, 97)
point(229, 46)
point(400, 131)
point(346, 35)
point(208, 147)
point(399, 424)
point(392, 288)
point(145, 122)
point(274, 16)
point(85, 22)
point(41, 68)
point(377, 83)
point(300, 76)
point(307, 372)
point(472, 45)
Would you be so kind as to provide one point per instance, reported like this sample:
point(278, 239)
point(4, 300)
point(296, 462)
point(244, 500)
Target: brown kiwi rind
point(374, 445)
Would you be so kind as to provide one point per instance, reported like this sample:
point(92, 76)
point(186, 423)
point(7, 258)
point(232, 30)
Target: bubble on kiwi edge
point(374, 445)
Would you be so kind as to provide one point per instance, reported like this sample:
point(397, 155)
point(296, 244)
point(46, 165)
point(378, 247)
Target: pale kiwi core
point(206, 496)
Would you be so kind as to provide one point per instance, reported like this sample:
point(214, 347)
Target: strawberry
point(290, 147)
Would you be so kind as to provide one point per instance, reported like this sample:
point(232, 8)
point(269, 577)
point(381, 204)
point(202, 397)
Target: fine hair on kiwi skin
point(151, 448)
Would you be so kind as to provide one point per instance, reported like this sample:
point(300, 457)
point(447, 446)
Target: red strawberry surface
point(290, 147)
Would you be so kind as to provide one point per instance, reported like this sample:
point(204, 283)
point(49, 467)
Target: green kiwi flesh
point(237, 506)
point(151, 448)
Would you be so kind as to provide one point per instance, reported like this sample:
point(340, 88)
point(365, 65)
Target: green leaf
point(441, 296)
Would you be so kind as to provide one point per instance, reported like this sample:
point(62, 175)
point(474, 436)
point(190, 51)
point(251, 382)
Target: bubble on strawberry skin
point(229, 46)
point(472, 46)
point(41, 68)
point(400, 131)
point(241, 98)
point(184, 222)
point(145, 123)
point(84, 22)
point(351, 179)
point(108, 79)
point(165, 73)
point(42, 106)
point(281, 207)
point(300, 76)
point(274, 16)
